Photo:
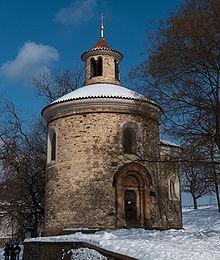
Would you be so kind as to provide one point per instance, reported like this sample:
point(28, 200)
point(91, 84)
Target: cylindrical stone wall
point(108, 68)
point(79, 189)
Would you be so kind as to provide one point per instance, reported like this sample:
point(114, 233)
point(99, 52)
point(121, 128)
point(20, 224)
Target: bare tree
point(195, 174)
point(52, 86)
point(23, 155)
point(182, 72)
point(212, 155)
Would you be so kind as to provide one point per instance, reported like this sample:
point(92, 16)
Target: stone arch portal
point(132, 193)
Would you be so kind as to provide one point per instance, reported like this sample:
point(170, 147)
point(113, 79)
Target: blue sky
point(53, 34)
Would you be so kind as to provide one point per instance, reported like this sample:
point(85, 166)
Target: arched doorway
point(131, 196)
point(132, 191)
point(130, 202)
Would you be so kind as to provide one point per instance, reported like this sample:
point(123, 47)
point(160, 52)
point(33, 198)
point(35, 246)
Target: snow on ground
point(199, 241)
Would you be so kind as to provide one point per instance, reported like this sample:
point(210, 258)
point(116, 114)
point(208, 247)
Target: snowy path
point(199, 241)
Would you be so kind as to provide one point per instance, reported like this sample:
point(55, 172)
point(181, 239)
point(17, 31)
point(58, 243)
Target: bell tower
point(102, 62)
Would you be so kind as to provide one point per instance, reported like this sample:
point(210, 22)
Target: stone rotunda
point(106, 165)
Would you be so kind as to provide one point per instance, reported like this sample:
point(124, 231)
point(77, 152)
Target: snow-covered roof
point(104, 90)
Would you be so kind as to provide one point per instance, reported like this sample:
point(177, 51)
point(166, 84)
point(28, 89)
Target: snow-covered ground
point(199, 241)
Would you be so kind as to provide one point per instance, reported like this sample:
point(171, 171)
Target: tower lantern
point(102, 62)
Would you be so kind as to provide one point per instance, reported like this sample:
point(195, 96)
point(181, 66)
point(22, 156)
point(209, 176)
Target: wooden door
point(130, 202)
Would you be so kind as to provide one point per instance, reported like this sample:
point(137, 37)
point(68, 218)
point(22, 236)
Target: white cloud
point(29, 62)
point(78, 11)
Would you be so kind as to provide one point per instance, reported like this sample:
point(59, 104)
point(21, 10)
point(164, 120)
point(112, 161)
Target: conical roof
point(101, 45)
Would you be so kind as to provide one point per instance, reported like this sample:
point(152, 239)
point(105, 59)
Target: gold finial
point(102, 26)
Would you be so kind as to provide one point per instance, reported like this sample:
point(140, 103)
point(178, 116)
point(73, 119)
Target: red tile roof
point(101, 45)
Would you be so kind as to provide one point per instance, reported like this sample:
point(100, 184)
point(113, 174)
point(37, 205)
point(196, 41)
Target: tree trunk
point(34, 232)
point(217, 135)
point(217, 195)
point(216, 186)
point(195, 203)
point(35, 226)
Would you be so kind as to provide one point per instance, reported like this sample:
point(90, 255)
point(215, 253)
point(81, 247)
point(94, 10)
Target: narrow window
point(52, 145)
point(172, 187)
point(116, 70)
point(96, 67)
point(99, 66)
point(92, 67)
point(129, 140)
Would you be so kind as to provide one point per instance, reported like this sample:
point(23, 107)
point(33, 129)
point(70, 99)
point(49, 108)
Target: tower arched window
point(99, 66)
point(96, 67)
point(129, 140)
point(117, 70)
point(92, 67)
point(52, 145)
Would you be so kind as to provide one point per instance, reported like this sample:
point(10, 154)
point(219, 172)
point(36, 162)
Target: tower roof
point(101, 45)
